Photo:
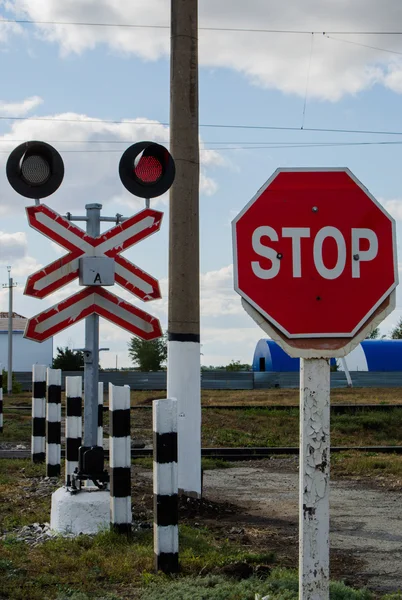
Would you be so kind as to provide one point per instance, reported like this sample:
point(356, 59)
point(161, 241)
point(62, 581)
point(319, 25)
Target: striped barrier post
point(53, 423)
point(38, 441)
point(165, 484)
point(73, 424)
point(100, 414)
point(120, 458)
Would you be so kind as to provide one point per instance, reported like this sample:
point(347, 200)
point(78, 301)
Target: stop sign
point(314, 253)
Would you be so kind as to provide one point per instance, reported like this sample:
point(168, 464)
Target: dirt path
point(366, 524)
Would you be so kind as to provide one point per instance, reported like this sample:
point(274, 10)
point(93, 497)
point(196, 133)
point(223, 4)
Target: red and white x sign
point(92, 300)
point(78, 243)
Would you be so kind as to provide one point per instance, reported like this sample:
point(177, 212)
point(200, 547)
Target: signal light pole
point(10, 285)
point(184, 278)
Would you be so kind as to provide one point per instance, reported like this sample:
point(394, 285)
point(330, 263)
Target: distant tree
point(68, 360)
point(148, 355)
point(375, 334)
point(396, 333)
point(236, 365)
point(16, 386)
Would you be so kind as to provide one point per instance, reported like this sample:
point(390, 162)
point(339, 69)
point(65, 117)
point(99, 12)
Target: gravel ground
point(366, 523)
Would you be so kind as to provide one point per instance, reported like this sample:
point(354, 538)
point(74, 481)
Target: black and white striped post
point(166, 513)
point(1, 398)
point(53, 423)
point(73, 424)
point(38, 441)
point(120, 458)
point(100, 414)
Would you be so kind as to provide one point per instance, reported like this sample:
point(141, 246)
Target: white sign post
point(314, 478)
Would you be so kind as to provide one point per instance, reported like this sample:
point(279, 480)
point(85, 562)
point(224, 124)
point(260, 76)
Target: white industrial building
point(25, 352)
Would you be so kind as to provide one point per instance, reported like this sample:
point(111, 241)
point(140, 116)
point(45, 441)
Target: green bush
point(17, 387)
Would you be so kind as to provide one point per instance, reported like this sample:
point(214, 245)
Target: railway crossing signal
point(36, 170)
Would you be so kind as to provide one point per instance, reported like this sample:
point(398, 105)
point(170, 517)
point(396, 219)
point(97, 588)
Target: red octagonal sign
point(314, 253)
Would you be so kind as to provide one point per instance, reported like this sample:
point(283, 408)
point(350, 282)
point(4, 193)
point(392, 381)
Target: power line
point(206, 125)
point(363, 45)
point(233, 29)
point(262, 146)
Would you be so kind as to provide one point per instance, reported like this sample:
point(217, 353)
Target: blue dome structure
point(369, 355)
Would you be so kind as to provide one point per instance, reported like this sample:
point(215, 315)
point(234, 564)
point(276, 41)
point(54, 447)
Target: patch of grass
point(264, 427)
point(199, 549)
point(95, 566)
point(210, 464)
point(366, 464)
point(21, 500)
point(145, 462)
point(280, 585)
point(17, 427)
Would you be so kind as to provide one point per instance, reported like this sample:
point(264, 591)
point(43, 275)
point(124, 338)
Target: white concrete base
point(87, 511)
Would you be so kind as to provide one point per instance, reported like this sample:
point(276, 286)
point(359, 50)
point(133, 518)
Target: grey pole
point(184, 277)
point(10, 334)
point(91, 352)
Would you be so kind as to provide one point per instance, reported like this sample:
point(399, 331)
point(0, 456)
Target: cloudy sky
point(282, 84)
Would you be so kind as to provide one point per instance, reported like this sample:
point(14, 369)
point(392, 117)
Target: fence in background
point(230, 380)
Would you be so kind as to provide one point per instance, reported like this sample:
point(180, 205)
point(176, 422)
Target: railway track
point(231, 454)
point(335, 408)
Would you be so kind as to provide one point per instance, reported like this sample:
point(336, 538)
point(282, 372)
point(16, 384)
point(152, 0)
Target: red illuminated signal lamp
point(147, 170)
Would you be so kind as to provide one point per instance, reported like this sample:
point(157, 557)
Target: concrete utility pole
point(184, 279)
point(10, 285)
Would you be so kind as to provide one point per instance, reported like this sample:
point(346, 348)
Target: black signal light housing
point(35, 169)
point(147, 170)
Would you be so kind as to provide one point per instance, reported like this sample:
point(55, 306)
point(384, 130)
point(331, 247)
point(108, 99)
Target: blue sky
point(246, 78)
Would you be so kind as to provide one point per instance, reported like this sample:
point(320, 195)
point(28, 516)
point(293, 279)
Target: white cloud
point(26, 266)
point(20, 109)
point(208, 186)
point(270, 60)
point(394, 207)
point(7, 30)
point(12, 246)
point(221, 345)
point(218, 298)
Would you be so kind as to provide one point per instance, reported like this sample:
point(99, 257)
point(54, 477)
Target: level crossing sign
point(97, 262)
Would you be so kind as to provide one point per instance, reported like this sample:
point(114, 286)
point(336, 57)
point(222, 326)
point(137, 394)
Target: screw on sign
point(315, 263)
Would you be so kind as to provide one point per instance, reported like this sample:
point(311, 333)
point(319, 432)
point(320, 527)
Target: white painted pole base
point(85, 512)
point(314, 479)
point(184, 385)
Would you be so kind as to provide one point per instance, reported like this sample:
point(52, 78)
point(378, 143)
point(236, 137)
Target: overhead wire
point(206, 125)
point(201, 28)
point(329, 37)
point(262, 146)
